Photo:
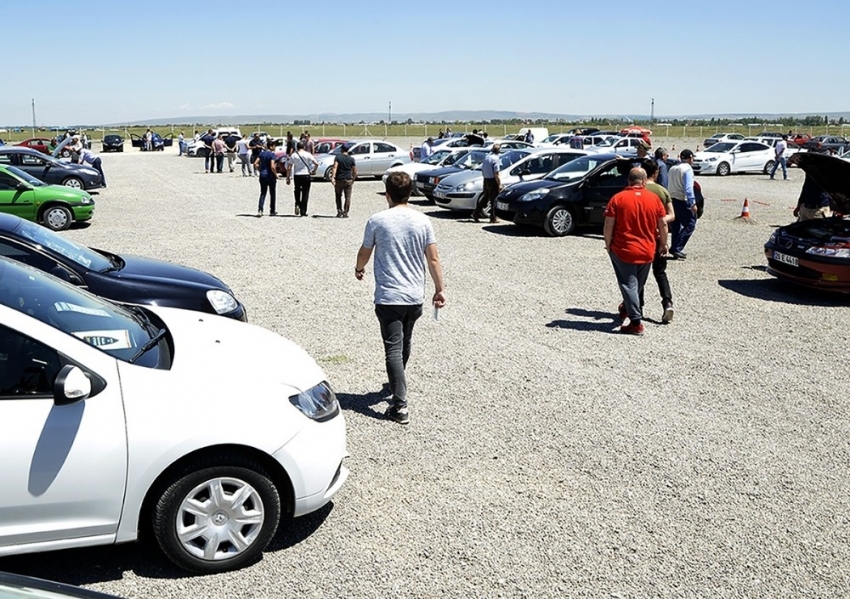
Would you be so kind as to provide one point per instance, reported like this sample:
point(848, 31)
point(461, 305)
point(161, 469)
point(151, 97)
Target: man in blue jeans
point(681, 187)
point(403, 241)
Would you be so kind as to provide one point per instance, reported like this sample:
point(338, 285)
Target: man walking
point(779, 149)
point(403, 241)
point(342, 178)
point(264, 165)
point(492, 185)
point(634, 219)
point(661, 156)
point(302, 167)
point(659, 261)
point(681, 188)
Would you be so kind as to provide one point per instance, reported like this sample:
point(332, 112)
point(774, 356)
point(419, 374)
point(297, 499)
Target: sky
point(117, 61)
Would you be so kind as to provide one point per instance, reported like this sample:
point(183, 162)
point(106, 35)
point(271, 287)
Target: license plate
point(786, 259)
point(420, 185)
point(439, 194)
point(501, 205)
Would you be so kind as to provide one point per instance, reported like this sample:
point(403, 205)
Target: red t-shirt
point(636, 211)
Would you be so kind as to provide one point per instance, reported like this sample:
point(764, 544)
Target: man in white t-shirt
point(780, 148)
point(403, 241)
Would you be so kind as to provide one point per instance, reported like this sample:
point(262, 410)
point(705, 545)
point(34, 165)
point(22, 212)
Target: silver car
point(372, 156)
point(461, 191)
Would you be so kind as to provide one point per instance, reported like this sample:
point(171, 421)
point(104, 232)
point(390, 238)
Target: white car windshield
point(436, 157)
point(721, 147)
point(112, 329)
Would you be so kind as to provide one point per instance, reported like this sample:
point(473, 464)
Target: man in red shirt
point(634, 218)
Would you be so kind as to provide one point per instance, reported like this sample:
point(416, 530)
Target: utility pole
point(390, 113)
point(33, 117)
point(652, 112)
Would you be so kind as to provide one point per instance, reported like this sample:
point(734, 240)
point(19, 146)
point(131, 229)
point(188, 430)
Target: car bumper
point(83, 212)
point(520, 214)
point(457, 201)
point(705, 168)
point(314, 462)
point(833, 276)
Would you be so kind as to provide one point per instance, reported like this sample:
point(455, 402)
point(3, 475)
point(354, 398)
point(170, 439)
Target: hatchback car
point(113, 143)
point(467, 158)
point(372, 157)
point(122, 278)
point(203, 431)
point(729, 157)
point(39, 144)
point(55, 206)
point(816, 253)
point(49, 169)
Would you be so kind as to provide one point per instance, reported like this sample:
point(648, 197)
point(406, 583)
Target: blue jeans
point(268, 185)
point(209, 162)
point(683, 227)
point(779, 160)
point(397, 332)
point(631, 279)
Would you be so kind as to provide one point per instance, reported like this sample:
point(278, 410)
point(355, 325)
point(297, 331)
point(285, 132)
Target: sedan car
point(729, 157)
point(816, 253)
point(121, 278)
point(49, 169)
point(718, 137)
point(205, 432)
point(627, 146)
point(40, 144)
point(113, 143)
point(438, 159)
point(833, 144)
point(573, 195)
point(55, 206)
point(372, 157)
point(426, 181)
point(463, 190)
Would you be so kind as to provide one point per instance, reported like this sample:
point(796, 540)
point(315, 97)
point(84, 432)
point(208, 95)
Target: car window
point(5, 159)
point(8, 182)
point(28, 160)
point(27, 367)
point(361, 149)
point(615, 175)
point(15, 251)
point(63, 246)
point(539, 165)
point(382, 147)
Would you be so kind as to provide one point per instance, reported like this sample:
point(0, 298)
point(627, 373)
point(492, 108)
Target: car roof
point(21, 150)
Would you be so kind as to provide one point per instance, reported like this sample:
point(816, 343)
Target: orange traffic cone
point(745, 213)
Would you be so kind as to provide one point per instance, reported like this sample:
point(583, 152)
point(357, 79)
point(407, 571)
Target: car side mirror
point(71, 385)
point(23, 186)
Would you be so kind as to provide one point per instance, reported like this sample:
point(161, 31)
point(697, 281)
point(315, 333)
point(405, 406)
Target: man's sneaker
point(297, 211)
point(397, 414)
point(621, 310)
point(272, 213)
point(668, 314)
point(632, 329)
point(259, 212)
point(678, 255)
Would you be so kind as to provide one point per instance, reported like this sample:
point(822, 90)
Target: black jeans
point(219, 162)
point(269, 185)
point(488, 198)
point(302, 192)
point(397, 331)
point(98, 166)
point(659, 271)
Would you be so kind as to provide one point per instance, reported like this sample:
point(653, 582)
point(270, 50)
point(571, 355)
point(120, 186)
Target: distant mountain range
point(450, 116)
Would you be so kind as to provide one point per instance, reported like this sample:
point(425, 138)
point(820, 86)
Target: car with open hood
point(49, 169)
point(22, 196)
point(816, 253)
point(116, 421)
point(119, 277)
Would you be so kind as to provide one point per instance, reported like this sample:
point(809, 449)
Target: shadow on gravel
point(511, 230)
point(420, 202)
point(448, 215)
point(602, 322)
point(102, 564)
point(774, 290)
point(362, 404)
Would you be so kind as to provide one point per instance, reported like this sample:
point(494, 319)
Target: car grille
point(796, 271)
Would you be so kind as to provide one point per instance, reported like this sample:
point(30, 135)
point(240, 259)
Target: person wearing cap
point(426, 149)
point(642, 150)
point(661, 157)
point(75, 147)
point(681, 188)
point(492, 184)
point(779, 150)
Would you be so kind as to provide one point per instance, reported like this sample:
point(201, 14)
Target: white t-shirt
point(780, 147)
point(302, 163)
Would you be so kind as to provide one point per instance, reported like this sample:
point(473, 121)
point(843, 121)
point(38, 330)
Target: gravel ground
point(546, 457)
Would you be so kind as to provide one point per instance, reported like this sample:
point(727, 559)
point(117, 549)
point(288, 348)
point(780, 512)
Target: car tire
point(57, 217)
point(768, 166)
point(74, 182)
point(237, 498)
point(65, 154)
point(121, 149)
point(560, 221)
point(723, 169)
point(328, 172)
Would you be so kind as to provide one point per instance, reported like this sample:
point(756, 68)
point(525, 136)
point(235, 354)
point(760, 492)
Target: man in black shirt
point(342, 178)
point(207, 139)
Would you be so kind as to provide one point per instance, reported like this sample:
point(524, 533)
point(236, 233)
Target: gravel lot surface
point(546, 456)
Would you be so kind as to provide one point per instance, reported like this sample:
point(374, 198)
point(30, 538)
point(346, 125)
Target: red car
point(324, 145)
point(42, 144)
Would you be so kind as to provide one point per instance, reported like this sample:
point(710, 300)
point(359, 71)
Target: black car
point(49, 169)
point(113, 143)
point(126, 279)
point(158, 142)
point(16, 585)
point(426, 181)
point(827, 144)
point(574, 194)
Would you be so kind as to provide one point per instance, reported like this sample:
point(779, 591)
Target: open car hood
point(833, 174)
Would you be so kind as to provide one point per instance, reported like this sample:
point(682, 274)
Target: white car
point(200, 429)
point(461, 191)
point(729, 157)
point(195, 147)
point(719, 137)
point(771, 141)
point(372, 156)
point(438, 159)
point(627, 146)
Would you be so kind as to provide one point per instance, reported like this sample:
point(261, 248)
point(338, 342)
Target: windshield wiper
point(117, 264)
point(152, 343)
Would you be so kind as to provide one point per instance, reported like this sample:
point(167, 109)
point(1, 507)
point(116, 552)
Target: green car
point(54, 206)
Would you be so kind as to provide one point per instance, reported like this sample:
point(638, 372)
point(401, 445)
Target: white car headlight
point(221, 301)
point(712, 159)
point(533, 195)
point(830, 252)
point(318, 403)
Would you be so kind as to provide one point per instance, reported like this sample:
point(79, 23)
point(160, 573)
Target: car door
point(20, 202)
point(600, 187)
point(750, 157)
point(64, 466)
point(384, 155)
point(534, 167)
point(34, 165)
point(362, 154)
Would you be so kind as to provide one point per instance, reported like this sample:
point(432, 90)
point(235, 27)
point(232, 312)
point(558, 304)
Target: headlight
point(318, 403)
point(86, 201)
point(772, 238)
point(433, 180)
point(830, 252)
point(533, 195)
point(221, 301)
point(714, 159)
